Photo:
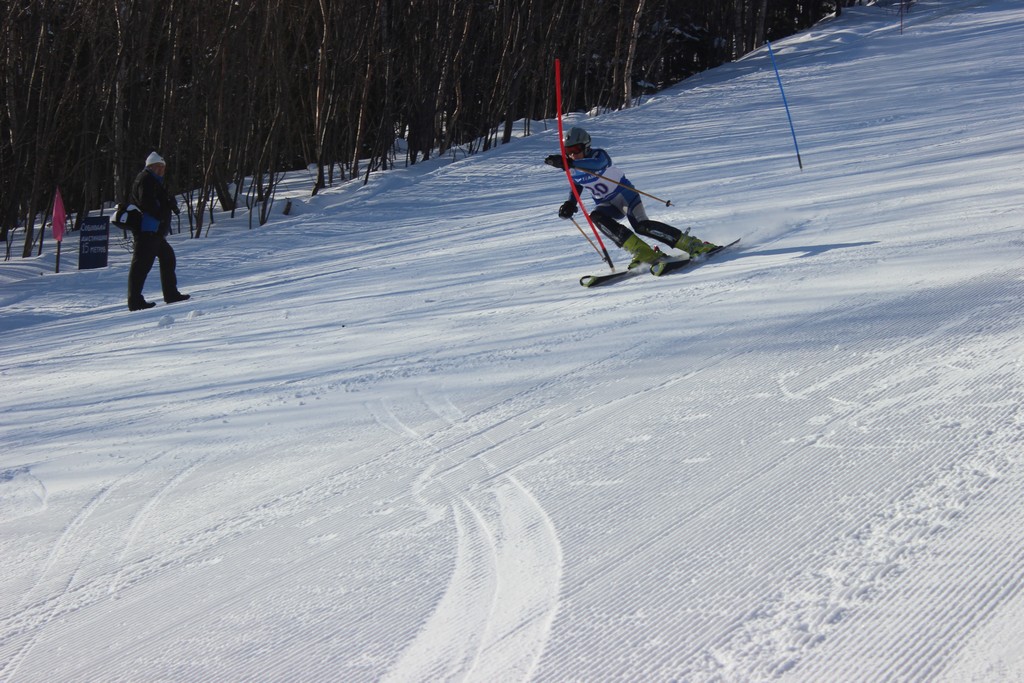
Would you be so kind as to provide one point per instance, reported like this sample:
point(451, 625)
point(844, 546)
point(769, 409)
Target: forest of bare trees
point(233, 89)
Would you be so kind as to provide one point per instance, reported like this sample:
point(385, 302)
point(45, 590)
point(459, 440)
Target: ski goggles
point(575, 149)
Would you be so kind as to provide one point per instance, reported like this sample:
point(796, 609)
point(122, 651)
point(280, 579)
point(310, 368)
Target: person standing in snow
point(150, 195)
point(617, 200)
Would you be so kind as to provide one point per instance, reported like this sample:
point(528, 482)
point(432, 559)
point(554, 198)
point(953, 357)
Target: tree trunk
point(627, 69)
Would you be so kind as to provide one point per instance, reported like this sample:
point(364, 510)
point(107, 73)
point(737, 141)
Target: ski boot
point(692, 245)
point(641, 251)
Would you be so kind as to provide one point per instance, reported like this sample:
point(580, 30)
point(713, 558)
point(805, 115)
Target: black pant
point(150, 246)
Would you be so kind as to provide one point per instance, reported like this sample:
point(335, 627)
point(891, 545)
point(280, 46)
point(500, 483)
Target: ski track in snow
point(88, 584)
point(140, 518)
point(43, 608)
point(79, 574)
point(493, 620)
point(66, 566)
point(46, 612)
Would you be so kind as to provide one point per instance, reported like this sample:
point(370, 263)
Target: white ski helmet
point(155, 158)
point(578, 136)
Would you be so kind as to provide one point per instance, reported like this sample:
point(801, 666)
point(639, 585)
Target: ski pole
point(614, 182)
point(587, 238)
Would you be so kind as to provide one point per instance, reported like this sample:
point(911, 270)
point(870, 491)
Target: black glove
point(554, 160)
point(568, 209)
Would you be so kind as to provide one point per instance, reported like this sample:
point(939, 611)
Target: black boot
point(140, 304)
point(177, 296)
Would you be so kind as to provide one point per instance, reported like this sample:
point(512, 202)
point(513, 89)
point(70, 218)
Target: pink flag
point(59, 217)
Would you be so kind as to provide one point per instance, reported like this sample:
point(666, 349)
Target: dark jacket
point(150, 195)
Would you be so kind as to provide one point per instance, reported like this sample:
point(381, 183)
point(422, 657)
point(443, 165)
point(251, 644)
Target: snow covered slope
point(391, 438)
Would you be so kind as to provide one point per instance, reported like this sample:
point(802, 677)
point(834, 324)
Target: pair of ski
point(661, 267)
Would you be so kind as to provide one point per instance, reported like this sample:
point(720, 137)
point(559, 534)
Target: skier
point(149, 194)
point(617, 200)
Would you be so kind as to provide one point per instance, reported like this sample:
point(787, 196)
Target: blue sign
point(93, 243)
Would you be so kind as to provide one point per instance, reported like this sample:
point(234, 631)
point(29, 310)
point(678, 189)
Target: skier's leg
point(604, 218)
point(674, 238)
point(634, 210)
point(624, 237)
point(663, 232)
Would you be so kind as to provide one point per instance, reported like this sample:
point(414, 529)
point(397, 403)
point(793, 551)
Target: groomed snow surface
point(391, 438)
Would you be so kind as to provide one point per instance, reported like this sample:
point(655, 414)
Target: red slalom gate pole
point(565, 165)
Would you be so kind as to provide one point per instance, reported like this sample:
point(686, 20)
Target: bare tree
point(634, 35)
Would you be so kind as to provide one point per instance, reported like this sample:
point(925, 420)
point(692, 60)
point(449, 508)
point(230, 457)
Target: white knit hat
point(155, 158)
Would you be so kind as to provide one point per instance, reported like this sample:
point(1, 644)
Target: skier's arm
point(598, 163)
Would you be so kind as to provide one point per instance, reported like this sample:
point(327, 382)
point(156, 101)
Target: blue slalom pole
point(792, 130)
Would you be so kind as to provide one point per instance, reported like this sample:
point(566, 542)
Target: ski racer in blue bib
point(615, 199)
